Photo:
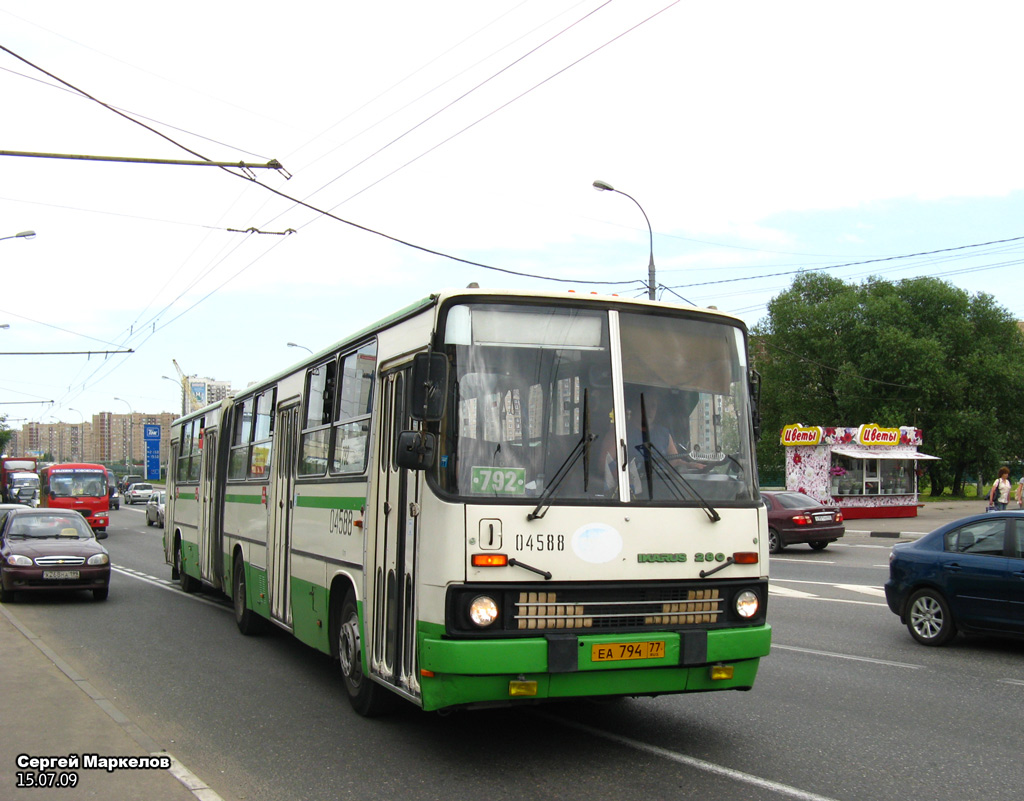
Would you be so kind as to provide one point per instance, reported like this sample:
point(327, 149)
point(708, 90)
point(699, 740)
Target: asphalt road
point(846, 707)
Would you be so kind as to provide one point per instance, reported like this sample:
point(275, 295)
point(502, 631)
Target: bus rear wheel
point(185, 581)
point(248, 621)
point(367, 697)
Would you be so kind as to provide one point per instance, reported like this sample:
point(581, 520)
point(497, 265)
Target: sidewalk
point(50, 711)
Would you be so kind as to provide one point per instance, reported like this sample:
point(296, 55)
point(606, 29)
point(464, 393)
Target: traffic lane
point(853, 561)
point(267, 717)
point(855, 621)
point(854, 709)
point(716, 727)
point(133, 544)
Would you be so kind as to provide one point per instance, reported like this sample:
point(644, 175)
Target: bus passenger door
point(207, 507)
point(393, 651)
point(279, 566)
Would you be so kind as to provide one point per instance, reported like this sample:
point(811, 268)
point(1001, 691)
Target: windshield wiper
point(657, 461)
point(582, 449)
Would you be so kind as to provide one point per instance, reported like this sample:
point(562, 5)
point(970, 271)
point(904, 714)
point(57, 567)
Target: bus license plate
point(617, 651)
point(60, 574)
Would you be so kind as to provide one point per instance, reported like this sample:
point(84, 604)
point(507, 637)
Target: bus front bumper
point(479, 672)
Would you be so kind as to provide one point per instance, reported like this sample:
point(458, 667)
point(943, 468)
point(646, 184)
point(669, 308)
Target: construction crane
point(186, 391)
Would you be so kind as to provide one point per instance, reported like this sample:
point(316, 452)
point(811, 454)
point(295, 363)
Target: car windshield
point(79, 484)
point(142, 487)
point(794, 500)
point(49, 527)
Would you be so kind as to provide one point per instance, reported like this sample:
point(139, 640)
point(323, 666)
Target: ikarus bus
point(493, 498)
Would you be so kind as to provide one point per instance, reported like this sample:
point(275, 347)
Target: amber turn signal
point(489, 560)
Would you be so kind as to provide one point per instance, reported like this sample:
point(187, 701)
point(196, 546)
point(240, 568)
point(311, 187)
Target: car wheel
point(820, 545)
point(101, 594)
point(367, 697)
point(929, 620)
point(6, 596)
point(774, 541)
point(246, 619)
point(185, 581)
point(148, 521)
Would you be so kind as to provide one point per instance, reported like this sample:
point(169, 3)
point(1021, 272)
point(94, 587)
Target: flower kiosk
point(868, 471)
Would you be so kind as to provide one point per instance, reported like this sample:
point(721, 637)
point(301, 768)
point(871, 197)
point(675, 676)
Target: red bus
point(82, 487)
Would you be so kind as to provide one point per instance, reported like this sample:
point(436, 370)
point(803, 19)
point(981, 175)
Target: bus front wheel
point(368, 698)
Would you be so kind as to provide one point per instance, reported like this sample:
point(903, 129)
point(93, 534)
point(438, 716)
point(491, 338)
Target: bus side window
point(321, 382)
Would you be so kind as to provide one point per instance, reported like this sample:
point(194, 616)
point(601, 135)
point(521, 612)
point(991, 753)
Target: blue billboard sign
point(151, 434)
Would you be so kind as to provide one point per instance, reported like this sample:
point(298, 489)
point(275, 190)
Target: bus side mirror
point(429, 386)
point(415, 450)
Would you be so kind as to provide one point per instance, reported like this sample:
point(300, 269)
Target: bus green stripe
point(235, 498)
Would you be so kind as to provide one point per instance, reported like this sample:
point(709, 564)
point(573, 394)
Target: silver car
point(138, 493)
point(155, 509)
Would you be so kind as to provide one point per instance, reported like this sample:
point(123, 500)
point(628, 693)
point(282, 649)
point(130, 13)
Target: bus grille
point(64, 561)
point(554, 610)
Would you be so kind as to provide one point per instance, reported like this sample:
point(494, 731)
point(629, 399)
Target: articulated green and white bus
point(493, 498)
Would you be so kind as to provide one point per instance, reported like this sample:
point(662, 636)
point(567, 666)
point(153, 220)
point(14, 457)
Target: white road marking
point(775, 588)
point(800, 561)
point(170, 586)
point(834, 655)
point(691, 762)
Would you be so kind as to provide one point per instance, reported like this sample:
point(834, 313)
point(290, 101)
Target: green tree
point(917, 352)
point(5, 434)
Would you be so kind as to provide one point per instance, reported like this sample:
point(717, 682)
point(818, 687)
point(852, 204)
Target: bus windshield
point(609, 406)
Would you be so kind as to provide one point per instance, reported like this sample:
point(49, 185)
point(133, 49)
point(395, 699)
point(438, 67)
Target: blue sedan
point(967, 575)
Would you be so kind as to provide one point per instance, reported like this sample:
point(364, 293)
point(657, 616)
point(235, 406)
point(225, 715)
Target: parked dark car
point(967, 575)
point(50, 549)
point(126, 481)
point(794, 518)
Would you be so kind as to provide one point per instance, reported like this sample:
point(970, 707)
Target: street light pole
point(130, 461)
point(181, 387)
point(296, 345)
point(601, 186)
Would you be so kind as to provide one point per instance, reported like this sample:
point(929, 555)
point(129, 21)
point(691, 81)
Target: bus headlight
point(483, 611)
point(747, 604)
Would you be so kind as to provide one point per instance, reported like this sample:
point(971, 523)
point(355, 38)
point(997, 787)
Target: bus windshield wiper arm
point(674, 478)
point(516, 563)
point(582, 449)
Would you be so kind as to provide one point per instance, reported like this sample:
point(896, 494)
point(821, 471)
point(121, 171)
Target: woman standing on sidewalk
point(999, 495)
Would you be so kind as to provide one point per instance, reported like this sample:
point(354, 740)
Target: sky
point(759, 139)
